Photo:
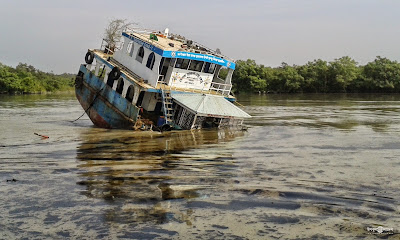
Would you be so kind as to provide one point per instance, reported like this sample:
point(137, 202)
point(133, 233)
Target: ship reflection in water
point(138, 171)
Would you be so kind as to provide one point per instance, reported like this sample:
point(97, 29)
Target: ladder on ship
point(167, 106)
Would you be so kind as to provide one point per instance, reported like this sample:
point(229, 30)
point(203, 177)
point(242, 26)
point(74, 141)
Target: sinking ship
point(154, 79)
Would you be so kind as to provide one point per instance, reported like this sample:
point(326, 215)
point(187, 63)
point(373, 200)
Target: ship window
point(129, 93)
point(172, 62)
point(129, 49)
point(140, 99)
point(209, 68)
point(182, 63)
point(110, 82)
point(178, 63)
point(161, 65)
point(196, 65)
point(223, 72)
point(102, 72)
point(164, 67)
point(140, 55)
point(120, 85)
point(150, 61)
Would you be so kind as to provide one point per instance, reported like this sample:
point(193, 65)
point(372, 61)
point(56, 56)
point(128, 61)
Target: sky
point(54, 35)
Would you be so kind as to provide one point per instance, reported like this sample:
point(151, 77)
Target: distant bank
point(341, 75)
point(26, 79)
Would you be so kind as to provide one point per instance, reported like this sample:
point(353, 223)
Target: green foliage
point(26, 79)
point(290, 79)
point(223, 72)
point(382, 75)
point(318, 76)
point(343, 71)
point(249, 76)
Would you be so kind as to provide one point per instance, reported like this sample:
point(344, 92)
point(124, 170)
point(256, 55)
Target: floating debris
point(43, 136)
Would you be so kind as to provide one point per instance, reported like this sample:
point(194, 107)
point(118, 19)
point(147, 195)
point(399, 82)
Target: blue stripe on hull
point(109, 109)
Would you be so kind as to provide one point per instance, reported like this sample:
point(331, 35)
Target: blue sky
point(55, 35)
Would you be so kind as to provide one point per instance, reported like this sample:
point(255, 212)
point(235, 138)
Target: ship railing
point(110, 48)
point(138, 30)
point(142, 31)
point(214, 52)
point(222, 88)
point(161, 82)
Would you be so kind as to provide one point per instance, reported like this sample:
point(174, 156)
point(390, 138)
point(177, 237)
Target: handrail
point(214, 52)
point(221, 88)
point(167, 106)
point(218, 87)
point(105, 46)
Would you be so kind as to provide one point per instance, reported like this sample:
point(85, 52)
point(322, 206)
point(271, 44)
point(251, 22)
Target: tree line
point(26, 79)
point(341, 75)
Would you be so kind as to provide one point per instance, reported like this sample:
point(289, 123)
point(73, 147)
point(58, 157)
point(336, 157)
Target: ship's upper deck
point(166, 44)
point(173, 45)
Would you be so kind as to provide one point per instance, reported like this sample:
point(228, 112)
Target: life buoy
point(114, 74)
point(89, 57)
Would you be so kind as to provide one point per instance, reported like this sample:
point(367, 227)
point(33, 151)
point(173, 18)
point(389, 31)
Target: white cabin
point(174, 61)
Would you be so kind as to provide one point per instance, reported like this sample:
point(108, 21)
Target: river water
point(308, 167)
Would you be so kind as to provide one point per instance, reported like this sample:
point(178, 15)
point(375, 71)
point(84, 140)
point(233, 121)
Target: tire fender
point(114, 74)
point(89, 57)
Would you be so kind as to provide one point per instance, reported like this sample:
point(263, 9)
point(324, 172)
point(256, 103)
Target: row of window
point(193, 65)
point(120, 87)
point(186, 64)
point(140, 54)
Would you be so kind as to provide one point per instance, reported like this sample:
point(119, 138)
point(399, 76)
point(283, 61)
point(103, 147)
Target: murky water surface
point(318, 166)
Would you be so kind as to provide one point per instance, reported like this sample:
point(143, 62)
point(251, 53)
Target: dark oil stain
point(160, 231)
point(219, 226)
point(64, 234)
point(51, 219)
point(243, 205)
point(382, 207)
point(281, 219)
